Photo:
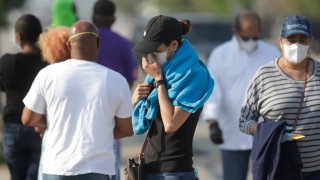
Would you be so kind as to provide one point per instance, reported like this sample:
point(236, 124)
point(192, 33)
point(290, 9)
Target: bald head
point(82, 26)
point(248, 22)
point(83, 40)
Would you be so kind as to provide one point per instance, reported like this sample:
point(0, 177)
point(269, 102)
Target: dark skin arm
point(123, 127)
point(33, 119)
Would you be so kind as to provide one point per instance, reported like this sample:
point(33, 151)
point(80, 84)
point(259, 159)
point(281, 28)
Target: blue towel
point(188, 84)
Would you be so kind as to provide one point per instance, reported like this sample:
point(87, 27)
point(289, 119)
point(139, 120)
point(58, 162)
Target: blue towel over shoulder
point(188, 84)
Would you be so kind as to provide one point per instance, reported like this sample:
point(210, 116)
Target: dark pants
point(21, 148)
point(235, 164)
point(311, 176)
point(89, 176)
point(171, 176)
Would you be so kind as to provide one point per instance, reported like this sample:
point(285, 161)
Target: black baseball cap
point(295, 25)
point(160, 29)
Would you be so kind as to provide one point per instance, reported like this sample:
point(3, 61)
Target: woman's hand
point(154, 69)
point(142, 91)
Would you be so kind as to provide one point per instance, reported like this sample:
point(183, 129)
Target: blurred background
point(212, 23)
point(212, 20)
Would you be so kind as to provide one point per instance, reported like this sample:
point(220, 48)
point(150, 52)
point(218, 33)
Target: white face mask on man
point(296, 52)
point(248, 46)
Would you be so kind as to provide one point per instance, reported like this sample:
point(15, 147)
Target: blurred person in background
point(287, 89)
point(115, 53)
point(21, 145)
point(171, 99)
point(54, 49)
point(63, 13)
point(232, 65)
point(82, 113)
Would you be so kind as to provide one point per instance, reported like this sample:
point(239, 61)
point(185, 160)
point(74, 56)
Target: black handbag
point(135, 165)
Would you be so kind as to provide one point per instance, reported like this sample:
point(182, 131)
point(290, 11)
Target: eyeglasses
point(248, 38)
point(82, 33)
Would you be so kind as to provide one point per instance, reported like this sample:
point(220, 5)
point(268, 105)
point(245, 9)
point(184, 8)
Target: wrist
point(158, 77)
point(157, 83)
point(253, 129)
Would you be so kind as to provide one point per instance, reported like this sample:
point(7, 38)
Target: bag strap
point(145, 142)
point(302, 95)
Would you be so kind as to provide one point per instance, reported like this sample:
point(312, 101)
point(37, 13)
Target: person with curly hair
point(53, 44)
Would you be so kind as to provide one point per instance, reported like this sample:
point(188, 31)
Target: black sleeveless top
point(171, 152)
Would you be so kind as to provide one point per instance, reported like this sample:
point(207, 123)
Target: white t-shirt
point(232, 70)
point(81, 99)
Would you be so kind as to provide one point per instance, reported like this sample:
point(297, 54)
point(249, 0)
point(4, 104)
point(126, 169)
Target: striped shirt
point(274, 95)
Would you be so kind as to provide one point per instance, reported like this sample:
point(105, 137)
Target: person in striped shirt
point(275, 93)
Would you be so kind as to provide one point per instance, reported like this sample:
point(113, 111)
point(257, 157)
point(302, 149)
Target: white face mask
point(162, 57)
point(248, 46)
point(295, 53)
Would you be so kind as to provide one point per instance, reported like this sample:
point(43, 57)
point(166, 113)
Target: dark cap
point(160, 29)
point(295, 25)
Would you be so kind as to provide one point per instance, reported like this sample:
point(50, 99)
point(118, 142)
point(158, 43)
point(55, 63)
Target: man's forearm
point(33, 119)
point(123, 128)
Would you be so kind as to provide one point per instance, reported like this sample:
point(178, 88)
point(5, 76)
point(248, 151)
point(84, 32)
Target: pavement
point(206, 155)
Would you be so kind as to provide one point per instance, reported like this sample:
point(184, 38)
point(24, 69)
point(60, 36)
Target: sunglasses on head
point(248, 38)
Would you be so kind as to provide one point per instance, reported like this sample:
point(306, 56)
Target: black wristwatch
point(158, 83)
